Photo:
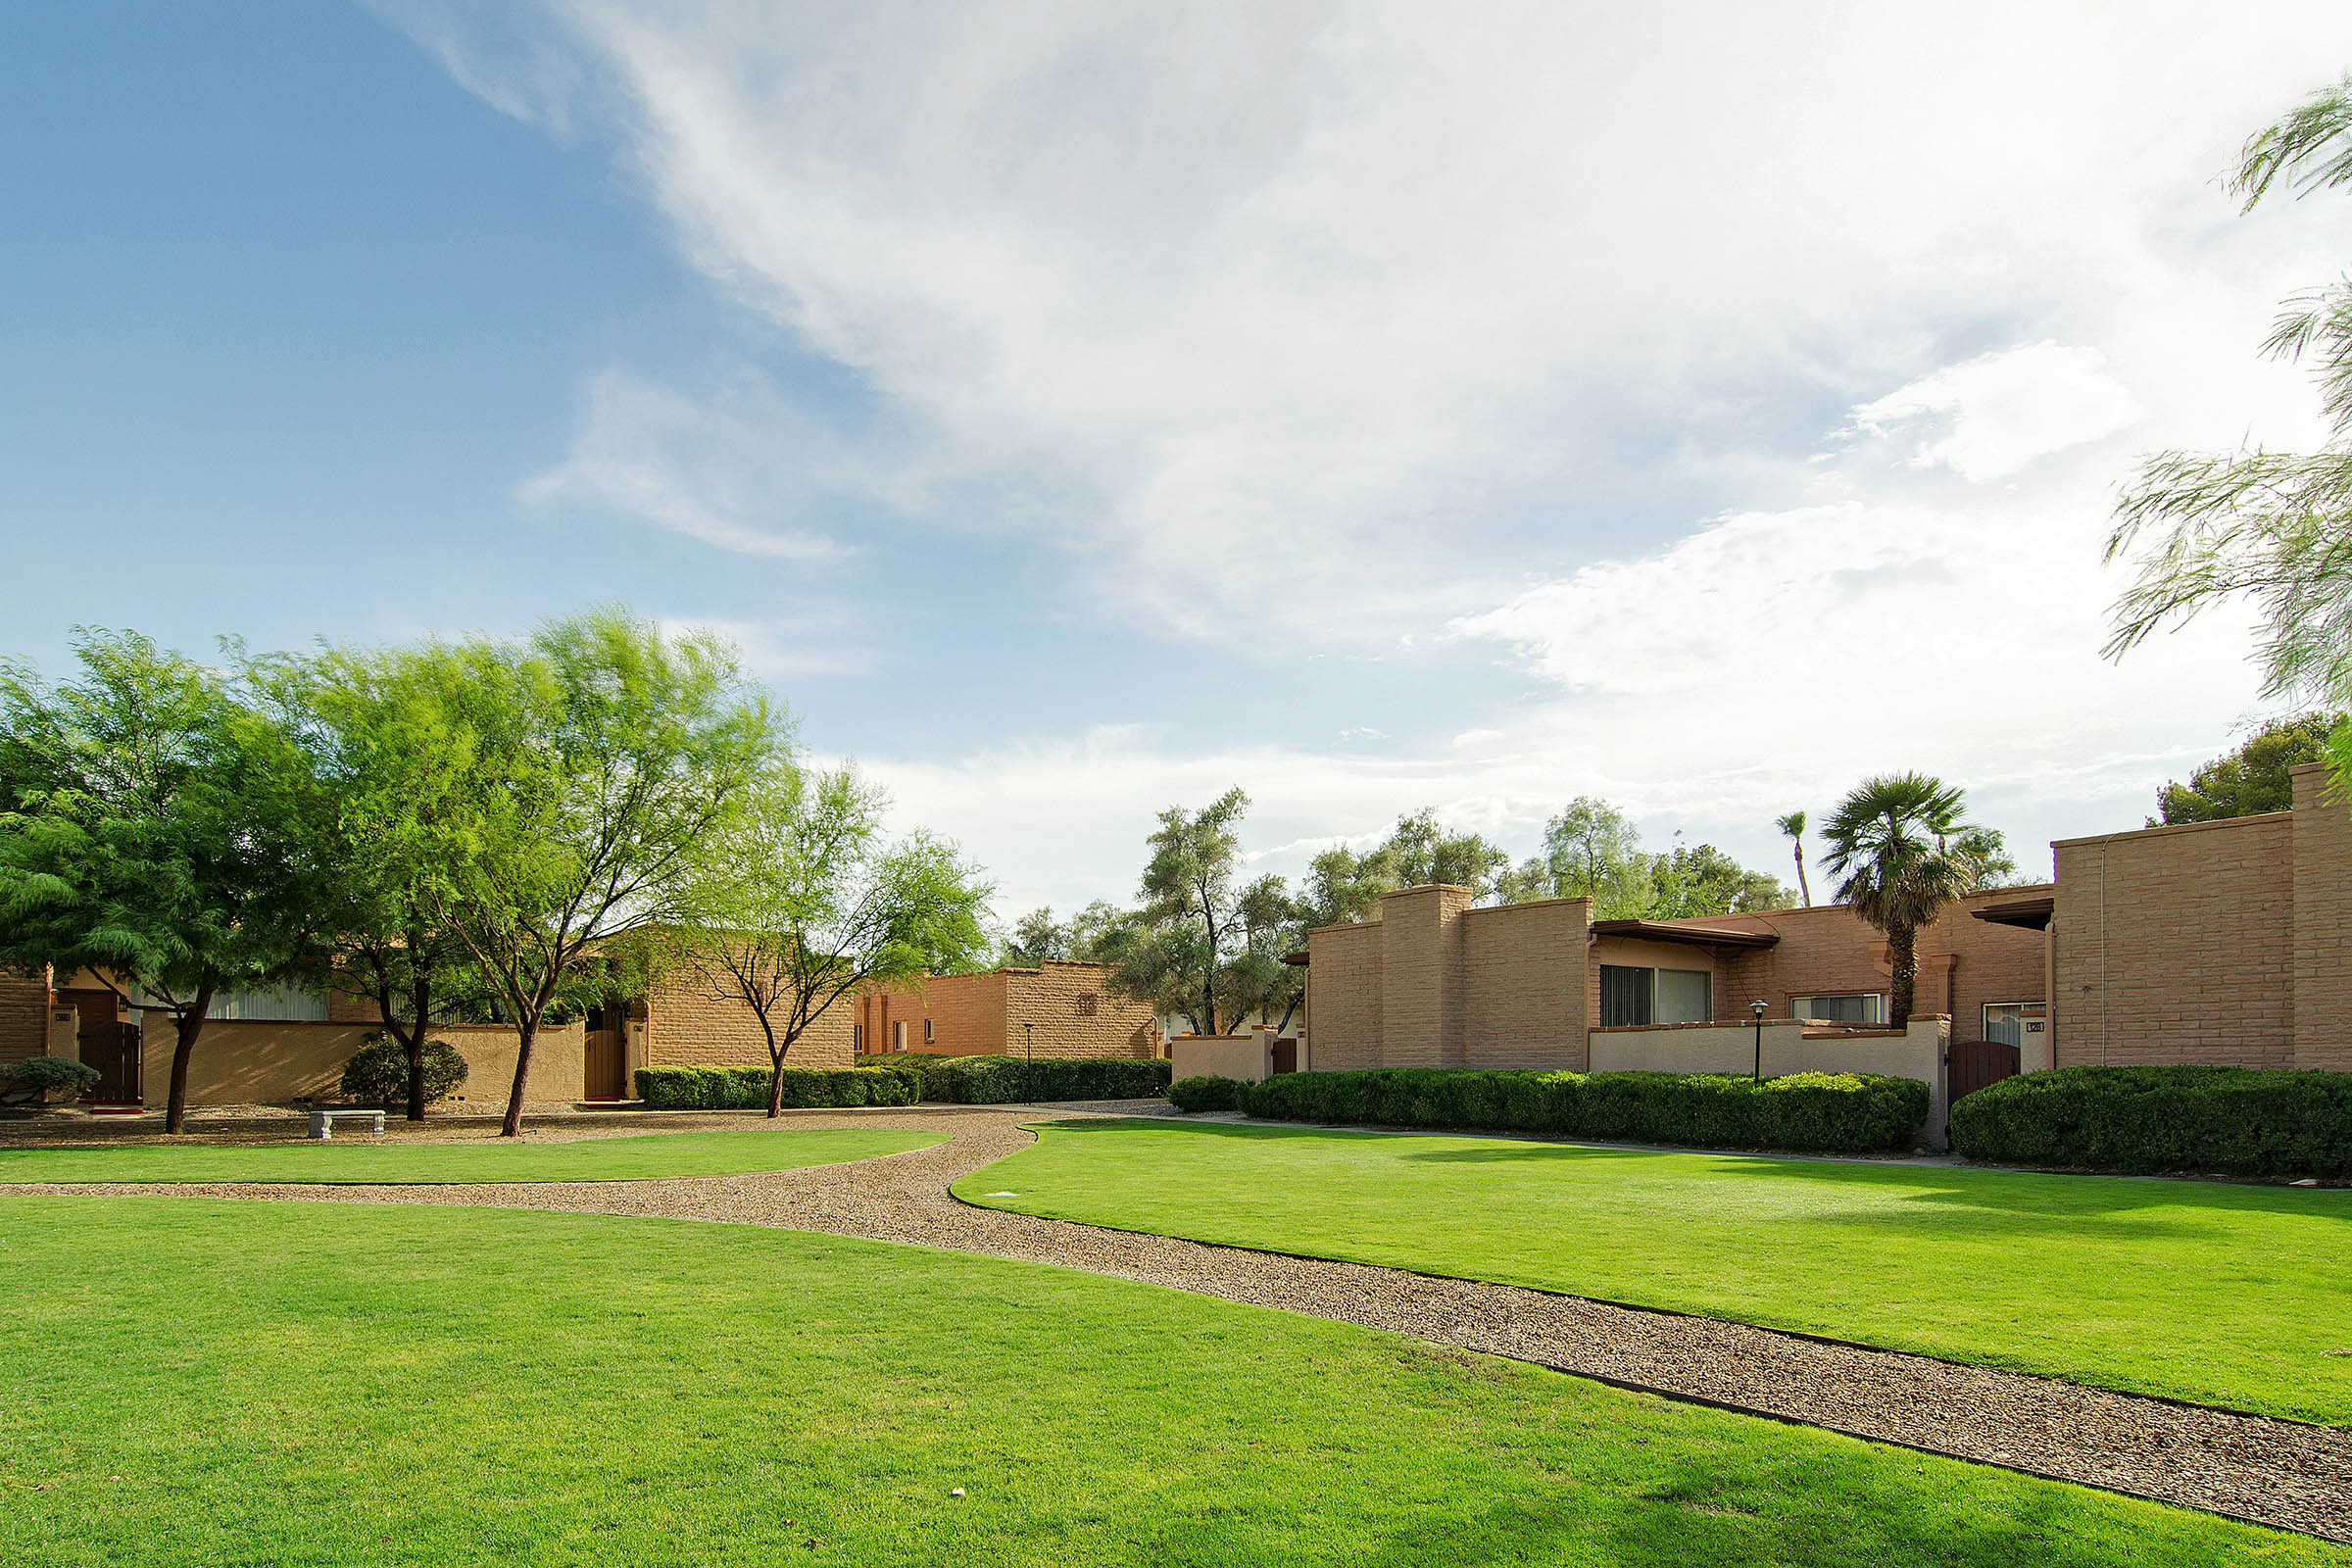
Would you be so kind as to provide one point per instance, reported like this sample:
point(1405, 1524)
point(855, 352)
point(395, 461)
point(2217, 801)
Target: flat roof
point(2032, 914)
point(1697, 936)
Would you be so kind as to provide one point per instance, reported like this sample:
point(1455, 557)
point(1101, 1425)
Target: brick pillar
point(2323, 937)
point(1421, 977)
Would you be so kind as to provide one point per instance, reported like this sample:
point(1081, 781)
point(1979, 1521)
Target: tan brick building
point(2227, 943)
point(1055, 1009)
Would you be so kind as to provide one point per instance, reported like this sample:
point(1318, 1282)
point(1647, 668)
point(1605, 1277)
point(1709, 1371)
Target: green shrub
point(1205, 1093)
point(746, 1088)
point(377, 1074)
point(1011, 1080)
point(1845, 1113)
point(37, 1078)
point(2229, 1121)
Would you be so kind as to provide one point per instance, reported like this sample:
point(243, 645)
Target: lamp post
point(1757, 1009)
point(1028, 1059)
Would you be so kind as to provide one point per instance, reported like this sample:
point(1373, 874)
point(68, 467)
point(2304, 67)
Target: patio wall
point(1790, 1047)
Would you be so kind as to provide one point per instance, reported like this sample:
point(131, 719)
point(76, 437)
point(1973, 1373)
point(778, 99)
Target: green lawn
point(363, 1160)
point(195, 1381)
point(2203, 1290)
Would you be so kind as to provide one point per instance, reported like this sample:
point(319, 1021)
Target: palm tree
point(1794, 825)
point(1904, 853)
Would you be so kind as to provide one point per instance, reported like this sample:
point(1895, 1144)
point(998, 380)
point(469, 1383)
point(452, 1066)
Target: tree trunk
point(186, 1027)
point(1803, 891)
point(525, 1032)
point(1902, 954)
point(423, 999)
point(775, 1069)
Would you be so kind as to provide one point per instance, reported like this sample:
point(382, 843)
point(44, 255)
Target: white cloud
point(706, 469)
point(2006, 409)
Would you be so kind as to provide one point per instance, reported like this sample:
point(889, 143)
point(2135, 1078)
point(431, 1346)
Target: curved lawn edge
point(631, 1156)
point(1226, 1230)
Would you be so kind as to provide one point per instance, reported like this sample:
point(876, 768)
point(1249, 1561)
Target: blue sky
point(1074, 411)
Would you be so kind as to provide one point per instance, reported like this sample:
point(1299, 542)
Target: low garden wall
point(1246, 1058)
point(240, 1061)
point(1791, 1046)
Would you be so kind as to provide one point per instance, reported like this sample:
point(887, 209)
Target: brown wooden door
point(1974, 1063)
point(1286, 1055)
point(608, 1065)
point(104, 1041)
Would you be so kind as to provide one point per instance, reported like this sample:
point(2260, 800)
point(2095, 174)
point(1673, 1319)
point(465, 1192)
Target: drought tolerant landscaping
point(2221, 1293)
point(585, 1159)
point(431, 1387)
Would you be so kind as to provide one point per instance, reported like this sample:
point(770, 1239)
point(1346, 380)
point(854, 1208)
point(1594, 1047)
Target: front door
point(105, 1042)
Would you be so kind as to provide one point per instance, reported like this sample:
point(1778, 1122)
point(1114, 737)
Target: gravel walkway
point(2271, 1472)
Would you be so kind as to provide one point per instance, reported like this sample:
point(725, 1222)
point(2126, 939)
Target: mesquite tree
point(588, 770)
point(801, 901)
point(149, 833)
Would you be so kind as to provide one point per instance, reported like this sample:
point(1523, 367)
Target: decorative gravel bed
point(2267, 1471)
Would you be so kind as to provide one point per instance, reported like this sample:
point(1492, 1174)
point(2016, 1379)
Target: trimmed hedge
point(1840, 1113)
point(746, 1088)
point(1008, 1080)
point(377, 1074)
point(35, 1078)
point(2229, 1121)
point(1205, 1093)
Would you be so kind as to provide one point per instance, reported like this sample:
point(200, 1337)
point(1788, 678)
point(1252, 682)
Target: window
point(928, 1036)
point(1632, 995)
point(2015, 1024)
point(1866, 1007)
point(898, 1036)
point(856, 1037)
point(286, 1003)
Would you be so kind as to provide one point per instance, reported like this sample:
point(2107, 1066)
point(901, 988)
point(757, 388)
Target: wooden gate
point(1286, 1055)
point(1974, 1063)
point(608, 1065)
point(102, 1040)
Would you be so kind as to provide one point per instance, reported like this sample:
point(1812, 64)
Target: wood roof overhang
point(1696, 936)
point(2032, 914)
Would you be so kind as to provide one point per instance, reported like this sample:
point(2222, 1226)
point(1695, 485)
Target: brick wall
point(1345, 986)
point(1421, 963)
point(23, 1016)
point(2323, 910)
point(2176, 945)
point(1524, 974)
point(689, 1025)
point(1963, 962)
point(1072, 1011)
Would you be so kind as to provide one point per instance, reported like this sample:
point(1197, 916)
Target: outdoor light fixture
point(1028, 1062)
point(1757, 1008)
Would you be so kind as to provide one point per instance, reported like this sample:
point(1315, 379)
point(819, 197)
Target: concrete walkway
point(2271, 1472)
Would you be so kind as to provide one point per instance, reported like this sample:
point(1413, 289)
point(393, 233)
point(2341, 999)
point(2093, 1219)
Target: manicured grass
point(208, 1383)
point(588, 1160)
point(2228, 1294)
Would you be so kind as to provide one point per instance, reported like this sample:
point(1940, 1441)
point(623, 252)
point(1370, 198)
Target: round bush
point(377, 1073)
point(37, 1077)
point(1205, 1093)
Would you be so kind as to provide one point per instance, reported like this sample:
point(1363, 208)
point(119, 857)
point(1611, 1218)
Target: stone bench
point(322, 1122)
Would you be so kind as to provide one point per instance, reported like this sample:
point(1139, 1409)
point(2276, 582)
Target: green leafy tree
point(1343, 887)
point(802, 901)
point(589, 769)
point(1792, 827)
point(1590, 849)
point(1903, 851)
point(2272, 526)
point(1420, 853)
point(1687, 883)
point(148, 812)
point(1178, 949)
point(380, 745)
point(2256, 777)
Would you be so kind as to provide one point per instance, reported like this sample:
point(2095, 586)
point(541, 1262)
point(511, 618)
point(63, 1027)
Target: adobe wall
point(1788, 1047)
point(23, 1016)
point(1344, 987)
point(1526, 984)
point(254, 1062)
point(689, 1024)
point(1073, 1012)
point(2323, 913)
point(2177, 944)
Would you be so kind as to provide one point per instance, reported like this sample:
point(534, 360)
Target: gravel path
point(2271, 1472)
